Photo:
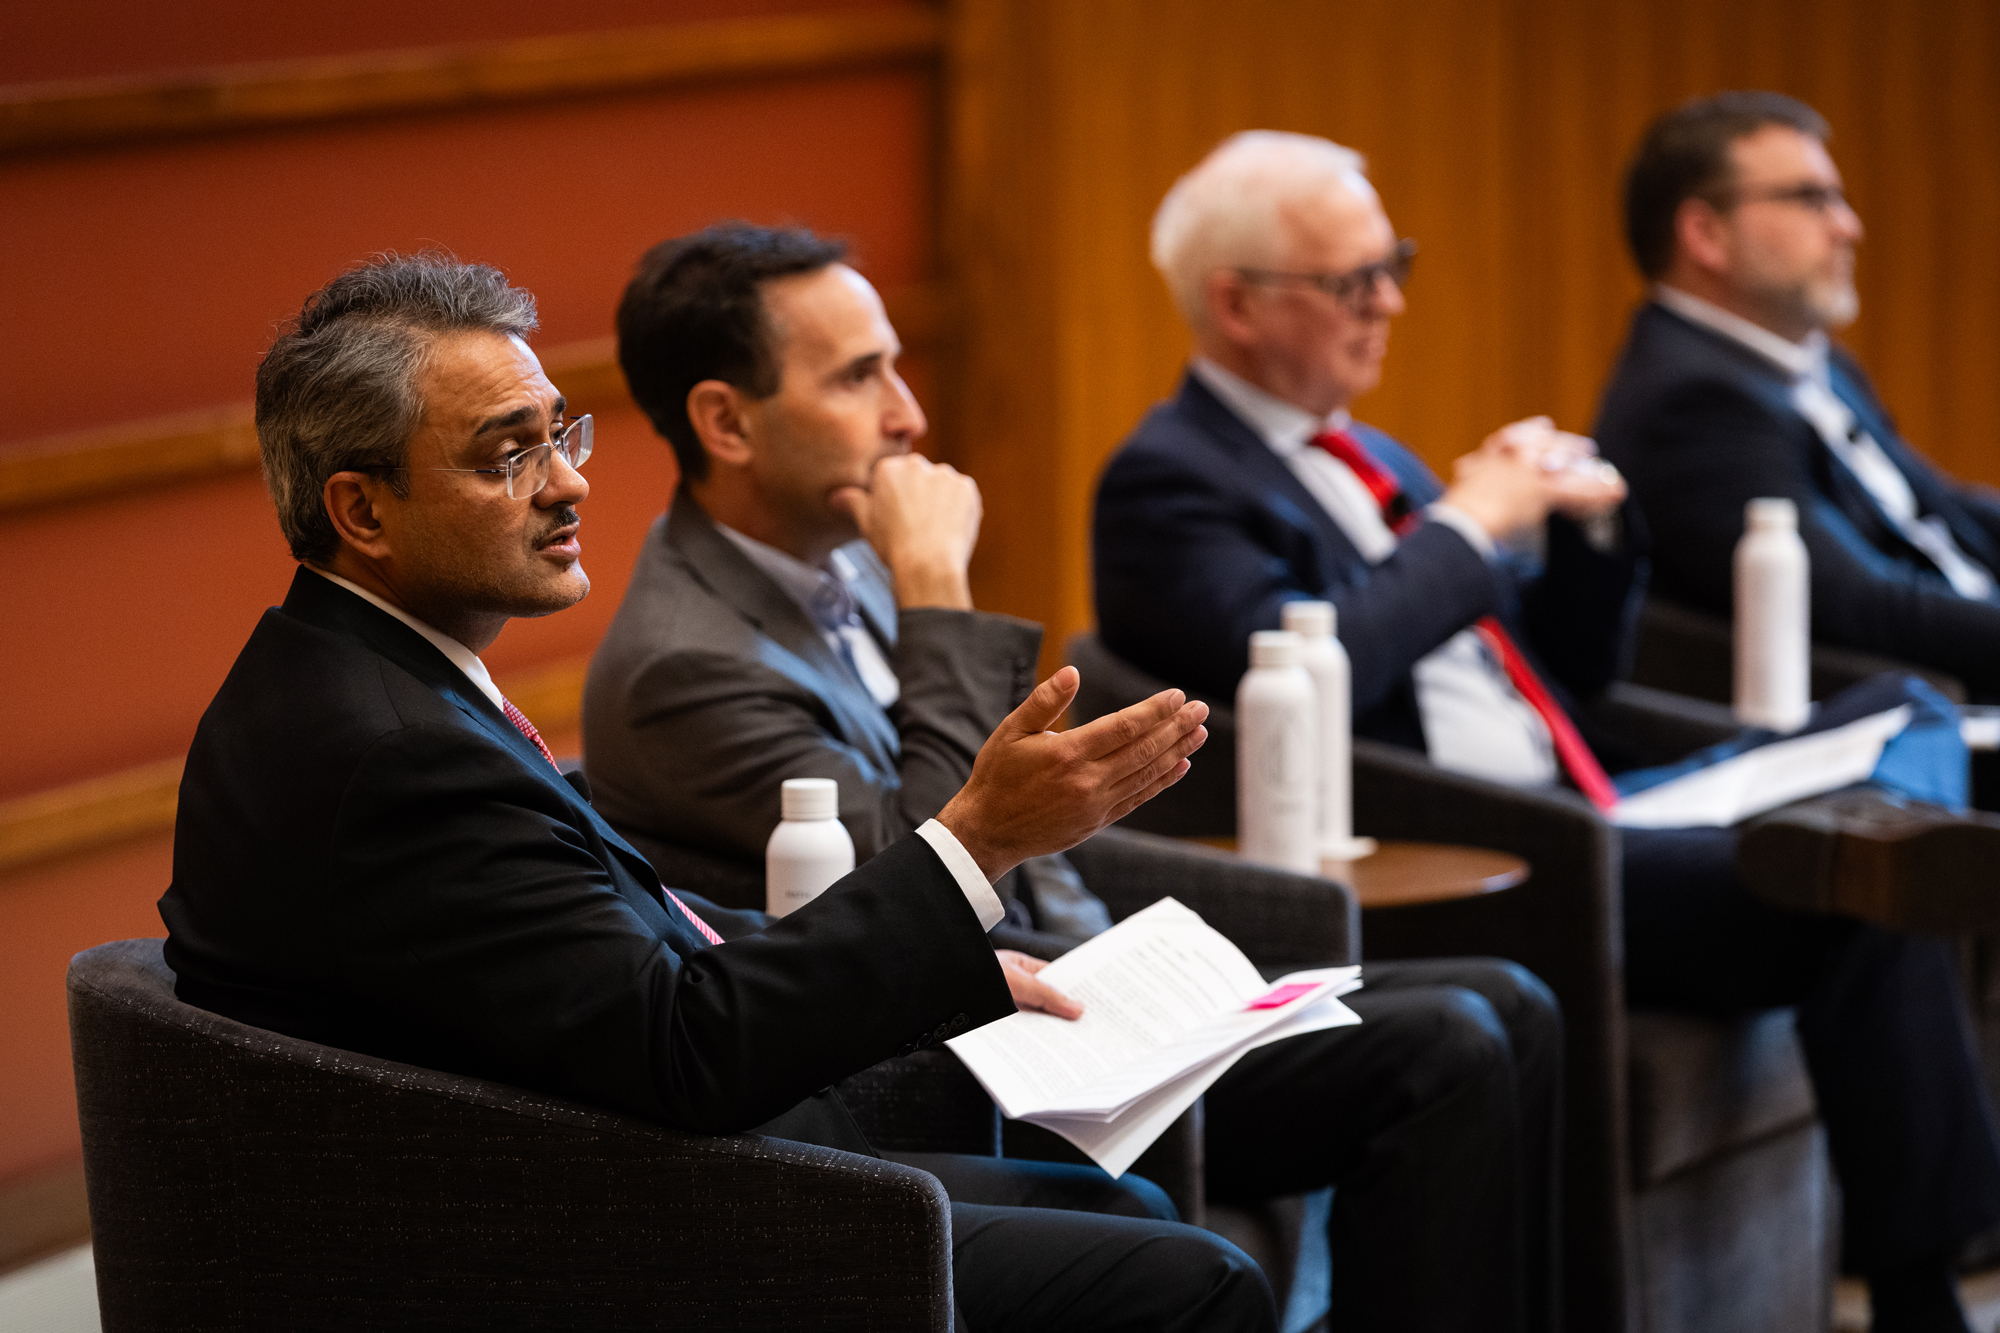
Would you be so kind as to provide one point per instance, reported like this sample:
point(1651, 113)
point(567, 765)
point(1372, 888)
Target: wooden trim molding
point(42, 117)
point(100, 811)
point(189, 447)
point(42, 1213)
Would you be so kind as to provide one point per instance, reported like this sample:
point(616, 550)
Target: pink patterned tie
point(527, 728)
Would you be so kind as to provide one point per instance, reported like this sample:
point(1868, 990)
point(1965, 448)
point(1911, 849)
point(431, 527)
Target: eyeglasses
point(527, 470)
point(1820, 199)
point(1354, 288)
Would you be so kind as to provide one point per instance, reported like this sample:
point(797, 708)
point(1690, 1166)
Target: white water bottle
point(1326, 662)
point(810, 849)
point(1773, 633)
point(1277, 756)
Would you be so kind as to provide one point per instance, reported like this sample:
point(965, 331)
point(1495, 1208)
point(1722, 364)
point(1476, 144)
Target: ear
point(351, 500)
point(1227, 296)
point(717, 410)
point(1701, 233)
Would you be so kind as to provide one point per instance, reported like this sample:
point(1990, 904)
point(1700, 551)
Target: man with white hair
point(1254, 487)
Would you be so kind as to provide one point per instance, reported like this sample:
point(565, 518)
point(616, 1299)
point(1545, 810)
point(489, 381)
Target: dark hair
point(337, 392)
point(695, 311)
point(1685, 155)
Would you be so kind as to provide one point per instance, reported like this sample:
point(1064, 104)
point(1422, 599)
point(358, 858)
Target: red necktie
point(527, 728)
point(1577, 760)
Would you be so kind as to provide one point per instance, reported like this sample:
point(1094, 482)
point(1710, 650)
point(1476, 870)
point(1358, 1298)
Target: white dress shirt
point(1858, 451)
point(1475, 721)
point(985, 903)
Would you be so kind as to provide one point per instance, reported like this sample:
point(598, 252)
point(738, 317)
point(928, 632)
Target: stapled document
point(1168, 1006)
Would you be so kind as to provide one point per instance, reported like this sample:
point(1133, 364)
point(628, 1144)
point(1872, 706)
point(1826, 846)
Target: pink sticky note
point(1279, 997)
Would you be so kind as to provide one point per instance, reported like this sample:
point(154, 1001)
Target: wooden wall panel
point(1497, 132)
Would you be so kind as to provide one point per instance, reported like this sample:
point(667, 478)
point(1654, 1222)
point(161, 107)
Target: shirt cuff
point(985, 903)
point(1465, 526)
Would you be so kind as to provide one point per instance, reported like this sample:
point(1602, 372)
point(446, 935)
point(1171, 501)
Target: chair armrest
point(1658, 725)
point(1275, 917)
point(296, 1185)
point(924, 1102)
point(1689, 652)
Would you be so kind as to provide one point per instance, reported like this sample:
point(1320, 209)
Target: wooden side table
point(1400, 874)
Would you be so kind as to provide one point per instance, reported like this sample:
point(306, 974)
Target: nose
point(905, 419)
point(1847, 222)
point(1386, 296)
point(566, 485)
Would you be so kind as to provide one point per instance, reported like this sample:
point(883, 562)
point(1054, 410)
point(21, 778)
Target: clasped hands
point(1525, 471)
point(1034, 791)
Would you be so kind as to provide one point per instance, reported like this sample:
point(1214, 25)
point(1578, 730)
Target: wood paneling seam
point(49, 116)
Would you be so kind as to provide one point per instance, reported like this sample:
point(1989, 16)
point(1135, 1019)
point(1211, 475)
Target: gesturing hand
point(1034, 791)
point(1030, 991)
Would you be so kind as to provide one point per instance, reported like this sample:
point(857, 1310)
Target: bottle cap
point(1276, 648)
point(810, 798)
point(1772, 512)
point(1309, 620)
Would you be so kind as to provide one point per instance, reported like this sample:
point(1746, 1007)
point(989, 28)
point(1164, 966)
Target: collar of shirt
point(822, 593)
point(461, 656)
point(1806, 360)
point(1283, 426)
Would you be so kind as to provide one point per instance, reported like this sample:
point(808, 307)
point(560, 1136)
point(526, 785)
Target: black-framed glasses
point(1354, 288)
point(527, 470)
point(1811, 196)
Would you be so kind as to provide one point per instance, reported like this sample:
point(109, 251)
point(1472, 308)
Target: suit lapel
point(1277, 486)
point(728, 574)
point(1933, 495)
point(323, 603)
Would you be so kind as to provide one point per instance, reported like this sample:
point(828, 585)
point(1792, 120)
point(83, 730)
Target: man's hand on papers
point(1029, 991)
point(1034, 791)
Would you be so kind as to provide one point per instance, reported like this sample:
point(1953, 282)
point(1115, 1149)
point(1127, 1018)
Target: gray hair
point(1225, 212)
point(337, 392)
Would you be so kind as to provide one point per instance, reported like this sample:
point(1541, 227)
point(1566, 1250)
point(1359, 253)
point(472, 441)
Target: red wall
point(147, 280)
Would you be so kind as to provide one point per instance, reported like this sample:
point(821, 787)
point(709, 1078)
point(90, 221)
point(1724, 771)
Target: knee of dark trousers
point(1525, 1004)
point(1469, 1045)
point(1211, 1266)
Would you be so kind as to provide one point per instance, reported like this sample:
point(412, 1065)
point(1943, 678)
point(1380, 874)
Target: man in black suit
point(375, 850)
point(1254, 487)
point(1729, 389)
point(803, 611)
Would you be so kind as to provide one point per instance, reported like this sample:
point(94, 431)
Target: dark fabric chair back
point(1691, 652)
point(239, 1179)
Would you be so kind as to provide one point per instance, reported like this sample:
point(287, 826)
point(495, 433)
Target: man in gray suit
point(803, 611)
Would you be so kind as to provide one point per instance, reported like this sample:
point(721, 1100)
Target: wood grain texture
point(41, 117)
point(105, 810)
point(186, 447)
point(1497, 134)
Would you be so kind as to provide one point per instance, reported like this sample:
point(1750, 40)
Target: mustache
point(562, 517)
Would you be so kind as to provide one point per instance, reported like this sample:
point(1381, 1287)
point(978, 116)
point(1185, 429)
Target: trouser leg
point(1042, 1270)
point(1018, 1183)
point(1412, 1118)
point(1528, 1010)
point(1880, 1020)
